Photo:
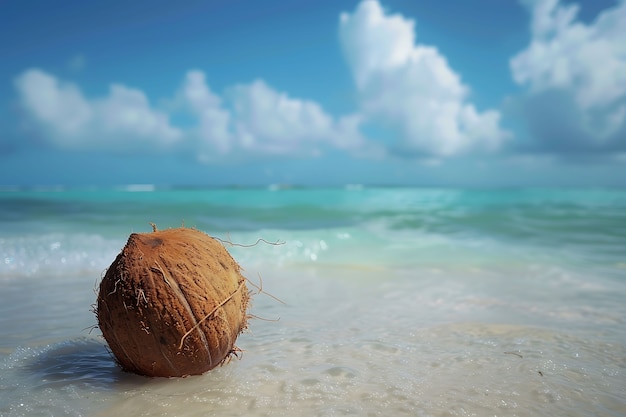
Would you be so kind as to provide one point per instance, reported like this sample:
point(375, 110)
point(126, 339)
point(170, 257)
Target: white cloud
point(122, 121)
point(213, 132)
point(584, 62)
point(412, 88)
point(270, 121)
point(126, 112)
point(275, 122)
point(253, 119)
point(60, 106)
point(256, 119)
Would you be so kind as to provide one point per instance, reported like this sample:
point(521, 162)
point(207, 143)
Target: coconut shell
point(172, 303)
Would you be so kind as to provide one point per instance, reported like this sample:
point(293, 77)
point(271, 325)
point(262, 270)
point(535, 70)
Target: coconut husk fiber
point(172, 303)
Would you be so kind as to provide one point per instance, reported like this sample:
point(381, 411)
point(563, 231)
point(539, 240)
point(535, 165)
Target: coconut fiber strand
point(172, 303)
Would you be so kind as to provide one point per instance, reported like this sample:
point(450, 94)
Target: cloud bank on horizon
point(573, 77)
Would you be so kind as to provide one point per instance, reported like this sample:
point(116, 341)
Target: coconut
point(172, 303)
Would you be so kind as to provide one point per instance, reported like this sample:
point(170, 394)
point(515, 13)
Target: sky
point(378, 92)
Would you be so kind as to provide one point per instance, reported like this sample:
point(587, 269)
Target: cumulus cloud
point(213, 132)
point(270, 121)
point(251, 119)
point(576, 74)
point(411, 88)
point(257, 119)
point(123, 119)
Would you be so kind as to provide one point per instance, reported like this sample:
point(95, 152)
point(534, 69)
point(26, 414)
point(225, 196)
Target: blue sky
point(420, 92)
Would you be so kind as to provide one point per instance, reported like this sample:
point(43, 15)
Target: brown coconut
point(172, 303)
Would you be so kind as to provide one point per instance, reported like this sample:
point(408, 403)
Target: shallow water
point(489, 303)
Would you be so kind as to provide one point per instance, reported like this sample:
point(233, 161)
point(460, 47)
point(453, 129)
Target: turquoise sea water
point(398, 301)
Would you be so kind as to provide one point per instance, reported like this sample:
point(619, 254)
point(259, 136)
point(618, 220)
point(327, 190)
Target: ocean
point(395, 301)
